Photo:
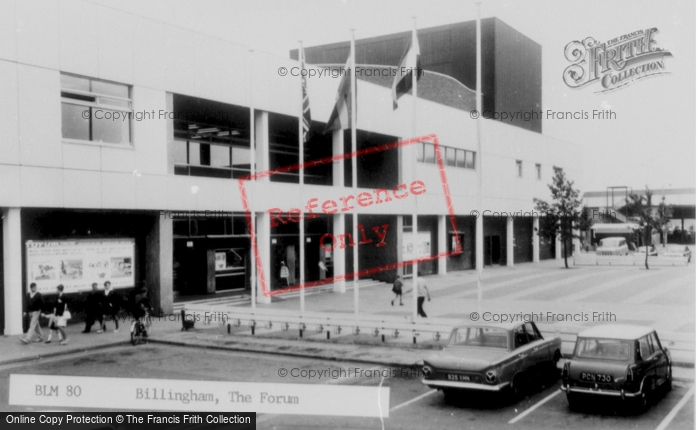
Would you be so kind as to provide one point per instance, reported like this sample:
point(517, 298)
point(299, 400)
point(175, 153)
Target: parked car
point(497, 357)
point(642, 250)
point(677, 251)
point(622, 361)
point(612, 246)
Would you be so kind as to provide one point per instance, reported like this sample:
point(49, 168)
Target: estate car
point(617, 361)
point(494, 357)
point(612, 246)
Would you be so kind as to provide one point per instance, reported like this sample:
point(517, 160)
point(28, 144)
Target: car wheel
point(643, 401)
point(668, 385)
point(516, 388)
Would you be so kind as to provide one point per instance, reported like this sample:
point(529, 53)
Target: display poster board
point(78, 263)
point(220, 261)
point(422, 245)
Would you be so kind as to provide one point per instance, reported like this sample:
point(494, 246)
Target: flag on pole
point(341, 117)
point(305, 105)
point(409, 64)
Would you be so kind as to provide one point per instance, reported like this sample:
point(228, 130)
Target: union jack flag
point(305, 105)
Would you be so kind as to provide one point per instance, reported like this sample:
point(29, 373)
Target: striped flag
point(341, 117)
point(409, 64)
point(305, 105)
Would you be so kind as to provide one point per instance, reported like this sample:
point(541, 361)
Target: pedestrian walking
point(93, 309)
point(59, 319)
point(422, 293)
point(35, 304)
point(398, 290)
point(111, 305)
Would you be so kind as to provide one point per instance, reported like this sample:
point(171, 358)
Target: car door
point(661, 361)
point(647, 363)
point(540, 352)
point(525, 359)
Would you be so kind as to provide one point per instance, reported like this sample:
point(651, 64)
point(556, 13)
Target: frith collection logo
point(615, 63)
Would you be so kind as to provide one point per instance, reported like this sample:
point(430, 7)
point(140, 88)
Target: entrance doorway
point(492, 250)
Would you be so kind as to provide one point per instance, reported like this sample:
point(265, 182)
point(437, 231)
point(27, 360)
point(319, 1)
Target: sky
point(651, 140)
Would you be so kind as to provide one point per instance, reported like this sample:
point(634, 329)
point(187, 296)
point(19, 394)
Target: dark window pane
point(74, 125)
point(108, 130)
point(451, 155)
point(461, 158)
point(430, 153)
point(471, 160)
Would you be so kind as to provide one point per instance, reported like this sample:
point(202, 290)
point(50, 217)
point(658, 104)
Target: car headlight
point(427, 371)
point(491, 377)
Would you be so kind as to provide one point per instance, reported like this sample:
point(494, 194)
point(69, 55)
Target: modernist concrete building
point(111, 126)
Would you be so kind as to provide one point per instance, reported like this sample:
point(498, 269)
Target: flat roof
point(617, 331)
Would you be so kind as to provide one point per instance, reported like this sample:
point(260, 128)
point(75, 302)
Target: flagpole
point(353, 132)
point(414, 167)
point(302, 239)
point(253, 220)
point(479, 165)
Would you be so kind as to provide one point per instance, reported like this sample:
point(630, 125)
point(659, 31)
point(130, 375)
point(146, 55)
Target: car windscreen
point(607, 349)
point(479, 337)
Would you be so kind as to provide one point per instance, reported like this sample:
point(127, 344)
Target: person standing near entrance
point(284, 273)
point(422, 293)
point(93, 309)
point(111, 304)
point(398, 290)
point(35, 304)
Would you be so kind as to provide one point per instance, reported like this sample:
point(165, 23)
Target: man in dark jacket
point(93, 309)
point(35, 304)
point(111, 304)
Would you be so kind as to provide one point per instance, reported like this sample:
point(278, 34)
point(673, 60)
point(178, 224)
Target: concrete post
point(510, 242)
point(535, 240)
point(12, 269)
point(557, 248)
point(339, 286)
point(479, 243)
point(442, 243)
point(263, 240)
point(262, 144)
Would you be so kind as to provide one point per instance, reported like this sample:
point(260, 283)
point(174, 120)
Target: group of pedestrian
point(58, 318)
point(101, 306)
point(421, 289)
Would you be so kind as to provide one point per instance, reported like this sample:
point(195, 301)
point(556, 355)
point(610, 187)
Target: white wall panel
point(39, 116)
point(41, 186)
point(37, 33)
point(116, 38)
point(9, 116)
point(82, 189)
point(118, 190)
point(78, 37)
point(8, 33)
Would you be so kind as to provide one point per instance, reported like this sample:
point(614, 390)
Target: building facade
point(123, 139)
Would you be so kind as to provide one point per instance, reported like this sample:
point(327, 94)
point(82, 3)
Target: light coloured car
point(612, 246)
point(617, 361)
point(492, 357)
point(677, 251)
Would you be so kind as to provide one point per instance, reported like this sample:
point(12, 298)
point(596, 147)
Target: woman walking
point(398, 290)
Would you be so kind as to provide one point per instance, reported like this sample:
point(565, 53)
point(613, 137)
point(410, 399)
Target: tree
point(562, 218)
point(649, 219)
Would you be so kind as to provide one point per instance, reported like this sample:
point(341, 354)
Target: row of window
point(451, 156)
point(538, 169)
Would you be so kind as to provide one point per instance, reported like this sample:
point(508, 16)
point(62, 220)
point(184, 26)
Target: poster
point(422, 245)
point(220, 261)
point(78, 263)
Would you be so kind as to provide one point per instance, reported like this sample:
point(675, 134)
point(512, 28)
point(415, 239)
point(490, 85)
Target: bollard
point(382, 338)
point(328, 335)
point(301, 333)
point(414, 339)
point(252, 330)
point(228, 326)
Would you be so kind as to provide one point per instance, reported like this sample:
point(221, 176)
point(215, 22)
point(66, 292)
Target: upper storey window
point(95, 111)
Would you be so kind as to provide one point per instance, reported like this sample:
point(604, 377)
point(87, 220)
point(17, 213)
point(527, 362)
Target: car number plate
point(453, 377)
point(595, 377)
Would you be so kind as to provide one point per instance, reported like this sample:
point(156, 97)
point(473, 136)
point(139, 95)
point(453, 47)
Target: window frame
point(95, 104)
point(519, 168)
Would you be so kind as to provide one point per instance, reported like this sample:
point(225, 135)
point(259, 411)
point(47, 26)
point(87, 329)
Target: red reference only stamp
point(346, 204)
